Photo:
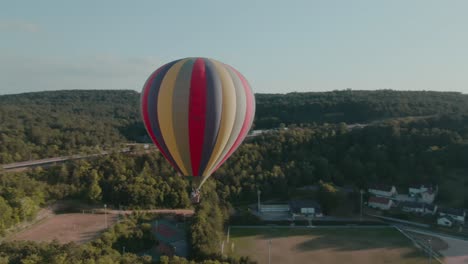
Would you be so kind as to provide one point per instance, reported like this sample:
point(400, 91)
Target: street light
point(362, 192)
point(258, 196)
point(222, 248)
point(309, 217)
point(430, 249)
point(105, 213)
point(269, 251)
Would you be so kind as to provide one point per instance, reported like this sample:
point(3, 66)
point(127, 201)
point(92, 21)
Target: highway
point(54, 160)
point(457, 248)
point(48, 161)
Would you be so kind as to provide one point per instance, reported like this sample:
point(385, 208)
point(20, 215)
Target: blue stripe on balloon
point(180, 112)
point(152, 110)
point(214, 107)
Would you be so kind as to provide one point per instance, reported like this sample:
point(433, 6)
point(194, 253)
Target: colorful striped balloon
point(197, 111)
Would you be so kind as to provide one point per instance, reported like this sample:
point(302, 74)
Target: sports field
point(64, 228)
point(324, 245)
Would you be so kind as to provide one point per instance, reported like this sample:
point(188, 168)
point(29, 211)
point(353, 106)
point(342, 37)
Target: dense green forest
point(46, 124)
point(398, 152)
point(354, 106)
point(429, 143)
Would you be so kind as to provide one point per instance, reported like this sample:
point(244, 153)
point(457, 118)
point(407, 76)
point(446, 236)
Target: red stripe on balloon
point(197, 114)
point(247, 120)
point(144, 110)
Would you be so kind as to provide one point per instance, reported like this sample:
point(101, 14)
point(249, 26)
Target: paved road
point(41, 162)
point(255, 133)
point(187, 212)
point(457, 251)
point(48, 161)
point(312, 226)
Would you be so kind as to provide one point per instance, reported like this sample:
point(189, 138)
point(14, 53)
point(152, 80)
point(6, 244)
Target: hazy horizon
point(305, 46)
point(279, 93)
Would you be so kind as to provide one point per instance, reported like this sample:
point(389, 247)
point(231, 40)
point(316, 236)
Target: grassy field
point(78, 228)
point(328, 245)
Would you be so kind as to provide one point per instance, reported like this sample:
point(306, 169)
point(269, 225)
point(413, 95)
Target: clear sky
point(280, 46)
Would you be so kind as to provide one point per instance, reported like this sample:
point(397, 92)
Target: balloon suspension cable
point(196, 184)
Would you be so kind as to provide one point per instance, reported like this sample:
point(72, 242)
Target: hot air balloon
point(197, 111)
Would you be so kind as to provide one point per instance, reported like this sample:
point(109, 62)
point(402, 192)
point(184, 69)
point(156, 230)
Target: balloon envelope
point(197, 111)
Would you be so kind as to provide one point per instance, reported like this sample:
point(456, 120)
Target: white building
point(404, 198)
point(427, 197)
point(457, 215)
point(445, 221)
point(423, 192)
point(412, 207)
point(383, 190)
point(420, 188)
point(305, 207)
point(430, 209)
point(418, 207)
point(381, 203)
point(274, 208)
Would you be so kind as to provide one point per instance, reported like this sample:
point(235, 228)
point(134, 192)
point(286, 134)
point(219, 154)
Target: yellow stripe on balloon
point(165, 115)
point(228, 115)
point(239, 117)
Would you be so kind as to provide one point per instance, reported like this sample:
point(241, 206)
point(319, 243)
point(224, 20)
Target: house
point(445, 221)
point(430, 209)
point(427, 197)
point(423, 192)
point(305, 207)
point(381, 203)
point(418, 207)
point(412, 207)
point(403, 198)
point(421, 188)
point(381, 190)
point(458, 215)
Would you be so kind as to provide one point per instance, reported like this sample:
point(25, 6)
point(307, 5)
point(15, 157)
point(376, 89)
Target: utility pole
point(258, 196)
point(269, 251)
point(430, 250)
point(362, 192)
point(105, 213)
point(309, 217)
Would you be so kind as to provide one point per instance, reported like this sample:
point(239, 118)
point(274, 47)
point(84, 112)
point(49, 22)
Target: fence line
point(422, 245)
point(399, 221)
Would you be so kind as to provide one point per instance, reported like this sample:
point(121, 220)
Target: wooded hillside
point(47, 124)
